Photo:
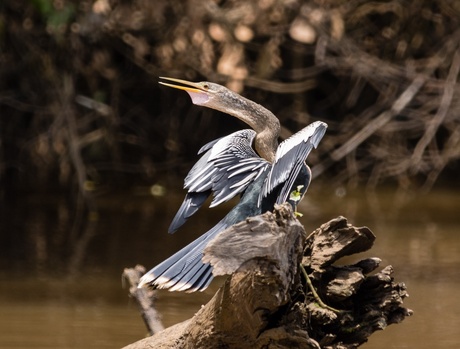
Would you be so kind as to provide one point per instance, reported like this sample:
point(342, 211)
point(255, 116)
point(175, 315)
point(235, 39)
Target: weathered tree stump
point(267, 303)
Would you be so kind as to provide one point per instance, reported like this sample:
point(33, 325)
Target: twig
point(404, 99)
point(444, 106)
point(143, 298)
point(315, 294)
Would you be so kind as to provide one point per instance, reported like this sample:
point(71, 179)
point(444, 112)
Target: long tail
point(184, 270)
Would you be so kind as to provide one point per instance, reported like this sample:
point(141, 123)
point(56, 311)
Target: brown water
point(43, 306)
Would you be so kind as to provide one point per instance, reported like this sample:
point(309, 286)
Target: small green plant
point(296, 196)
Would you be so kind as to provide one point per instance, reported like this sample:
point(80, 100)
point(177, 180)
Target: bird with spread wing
point(248, 162)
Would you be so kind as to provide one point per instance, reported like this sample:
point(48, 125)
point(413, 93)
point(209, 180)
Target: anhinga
point(229, 166)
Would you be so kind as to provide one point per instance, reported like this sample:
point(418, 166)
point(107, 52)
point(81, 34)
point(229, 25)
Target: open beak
point(197, 91)
point(190, 86)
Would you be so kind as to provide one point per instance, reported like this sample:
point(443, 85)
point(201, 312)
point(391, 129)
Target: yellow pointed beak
point(190, 86)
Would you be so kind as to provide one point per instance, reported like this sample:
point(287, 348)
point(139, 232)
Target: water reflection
point(47, 305)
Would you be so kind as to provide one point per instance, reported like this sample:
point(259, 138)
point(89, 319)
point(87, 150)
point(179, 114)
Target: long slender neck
point(266, 144)
point(260, 119)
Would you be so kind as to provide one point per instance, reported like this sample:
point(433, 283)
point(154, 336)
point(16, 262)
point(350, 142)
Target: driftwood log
point(271, 301)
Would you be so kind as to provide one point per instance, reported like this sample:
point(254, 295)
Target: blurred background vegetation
point(82, 114)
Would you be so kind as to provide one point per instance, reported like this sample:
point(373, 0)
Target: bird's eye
point(205, 86)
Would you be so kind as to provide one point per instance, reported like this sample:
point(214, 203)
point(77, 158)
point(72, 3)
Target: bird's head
point(207, 94)
point(215, 96)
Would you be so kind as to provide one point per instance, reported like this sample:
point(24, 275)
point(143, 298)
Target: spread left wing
point(226, 169)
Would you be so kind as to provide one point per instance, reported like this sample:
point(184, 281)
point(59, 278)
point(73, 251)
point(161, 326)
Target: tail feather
point(192, 284)
point(174, 265)
point(184, 270)
point(190, 273)
point(206, 280)
point(203, 282)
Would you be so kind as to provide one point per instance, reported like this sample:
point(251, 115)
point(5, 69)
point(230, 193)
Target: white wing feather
point(290, 156)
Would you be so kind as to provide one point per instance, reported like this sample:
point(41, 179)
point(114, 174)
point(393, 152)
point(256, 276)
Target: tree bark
point(267, 303)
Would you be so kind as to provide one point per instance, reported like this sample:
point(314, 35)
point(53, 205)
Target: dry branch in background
point(82, 114)
point(386, 74)
point(266, 303)
point(383, 75)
